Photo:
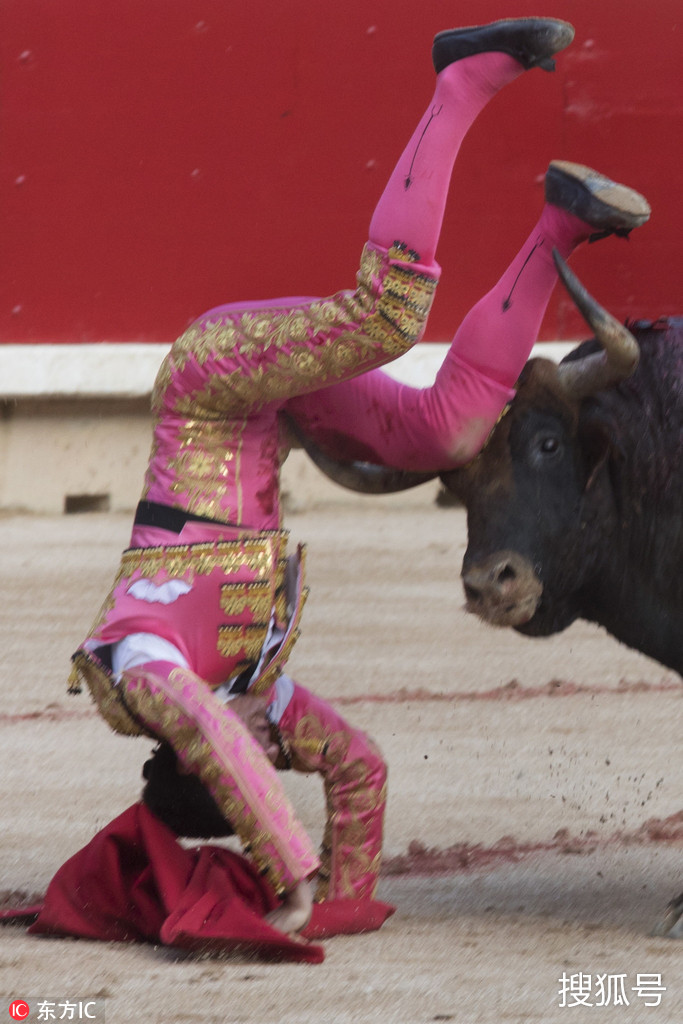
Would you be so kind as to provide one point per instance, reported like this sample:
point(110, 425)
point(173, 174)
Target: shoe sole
point(593, 197)
point(551, 36)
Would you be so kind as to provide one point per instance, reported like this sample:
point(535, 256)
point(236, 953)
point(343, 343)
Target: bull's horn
point(619, 358)
point(363, 477)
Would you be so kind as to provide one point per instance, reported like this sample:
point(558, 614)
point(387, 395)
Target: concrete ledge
point(83, 371)
point(115, 370)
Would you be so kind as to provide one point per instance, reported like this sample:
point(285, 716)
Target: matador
point(207, 600)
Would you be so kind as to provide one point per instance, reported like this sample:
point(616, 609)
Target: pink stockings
point(373, 417)
point(412, 206)
point(497, 334)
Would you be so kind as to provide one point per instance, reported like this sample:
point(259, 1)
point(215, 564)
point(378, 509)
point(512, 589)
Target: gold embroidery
point(255, 598)
point(262, 555)
point(281, 569)
point(106, 695)
point(274, 838)
point(247, 640)
point(360, 315)
point(75, 681)
point(275, 352)
point(354, 868)
point(281, 607)
point(238, 473)
point(205, 465)
point(274, 667)
point(257, 554)
point(282, 597)
point(400, 251)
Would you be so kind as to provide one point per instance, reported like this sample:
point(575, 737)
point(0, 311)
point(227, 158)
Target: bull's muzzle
point(502, 589)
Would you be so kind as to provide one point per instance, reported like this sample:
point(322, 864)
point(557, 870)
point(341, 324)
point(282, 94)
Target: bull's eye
point(544, 447)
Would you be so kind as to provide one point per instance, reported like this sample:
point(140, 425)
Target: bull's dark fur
point(600, 519)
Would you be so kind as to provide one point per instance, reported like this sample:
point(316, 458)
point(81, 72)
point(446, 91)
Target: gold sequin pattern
point(274, 667)
point(239, 639)
point(231, 364)
point(255, 598)
point(183, 561)
point(105, 694)
point(261, 553)
point(344, 329)
point(200, 750)
point(357, 861)
point(281, 608)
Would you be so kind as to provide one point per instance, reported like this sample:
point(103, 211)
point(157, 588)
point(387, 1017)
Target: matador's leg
point(472, 65)
point(445, 425)
point(495, 338)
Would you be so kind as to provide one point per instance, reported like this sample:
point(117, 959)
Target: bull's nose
point(497, 575)
point(503, 588)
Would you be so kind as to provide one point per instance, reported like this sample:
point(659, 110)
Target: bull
point(575, 504)
point(575, 507)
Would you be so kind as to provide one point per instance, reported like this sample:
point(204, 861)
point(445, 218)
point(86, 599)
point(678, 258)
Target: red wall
point(163, 156)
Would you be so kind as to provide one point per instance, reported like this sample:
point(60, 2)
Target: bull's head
point(539, 483)
point(539, 498)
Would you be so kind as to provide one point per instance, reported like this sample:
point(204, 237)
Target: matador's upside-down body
point(207, 601)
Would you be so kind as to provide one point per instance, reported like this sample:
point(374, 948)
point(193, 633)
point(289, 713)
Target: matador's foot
point(604, 204)
point(531, 41)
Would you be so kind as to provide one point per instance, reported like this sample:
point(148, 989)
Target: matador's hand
point(253, 712)
point(294, 913)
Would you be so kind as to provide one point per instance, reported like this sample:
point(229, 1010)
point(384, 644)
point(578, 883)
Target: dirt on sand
point(533, 833)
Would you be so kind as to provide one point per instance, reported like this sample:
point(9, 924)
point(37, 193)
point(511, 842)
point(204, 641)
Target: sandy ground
point(530, 786)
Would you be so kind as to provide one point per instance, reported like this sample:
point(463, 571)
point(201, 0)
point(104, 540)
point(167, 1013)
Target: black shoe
point(595, 199)
point(531, 41)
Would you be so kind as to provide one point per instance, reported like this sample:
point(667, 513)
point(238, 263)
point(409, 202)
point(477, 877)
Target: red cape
point(134, 882)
